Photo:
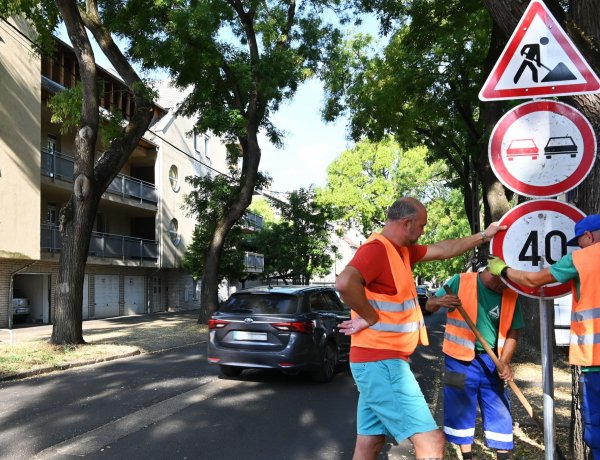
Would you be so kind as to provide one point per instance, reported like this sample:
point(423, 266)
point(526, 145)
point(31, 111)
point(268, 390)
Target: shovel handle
point(497, 362)
point(499, 365)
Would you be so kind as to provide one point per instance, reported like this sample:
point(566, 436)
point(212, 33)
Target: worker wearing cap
point(582, 268)
point(471, 377)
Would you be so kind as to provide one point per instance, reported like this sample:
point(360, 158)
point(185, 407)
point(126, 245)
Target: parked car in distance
point(20, 304)
point(290, 328)
point(423, 296)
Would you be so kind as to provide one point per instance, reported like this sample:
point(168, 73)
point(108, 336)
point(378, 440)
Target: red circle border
point(546, 191)
point(497, 242)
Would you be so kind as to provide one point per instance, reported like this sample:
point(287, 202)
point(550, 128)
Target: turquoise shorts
point(390, 401)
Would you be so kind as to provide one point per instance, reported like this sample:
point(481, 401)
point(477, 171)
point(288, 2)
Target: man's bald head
point(404, 208)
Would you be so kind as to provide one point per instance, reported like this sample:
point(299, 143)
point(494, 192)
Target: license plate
point(244, 335)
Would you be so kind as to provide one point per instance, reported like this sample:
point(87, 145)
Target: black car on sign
point(290, 328)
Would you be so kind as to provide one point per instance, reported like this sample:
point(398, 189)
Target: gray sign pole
point(547, 373)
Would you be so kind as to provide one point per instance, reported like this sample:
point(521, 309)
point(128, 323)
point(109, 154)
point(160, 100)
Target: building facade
point(141, 230)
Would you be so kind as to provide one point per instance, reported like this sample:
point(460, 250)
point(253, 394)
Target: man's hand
point(352, 326)
point(493, 228)
point(506, 373)
point(450, 301)
point(496, 265)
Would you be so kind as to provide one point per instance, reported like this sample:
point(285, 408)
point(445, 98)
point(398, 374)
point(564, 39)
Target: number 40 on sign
point(536, 236)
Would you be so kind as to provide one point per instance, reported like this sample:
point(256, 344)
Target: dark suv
point(291, 328)
point(423, 296)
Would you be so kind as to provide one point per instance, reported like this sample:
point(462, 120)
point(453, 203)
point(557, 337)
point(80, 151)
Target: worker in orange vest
point(386, 326)
point(471, 377)
point(582, 269)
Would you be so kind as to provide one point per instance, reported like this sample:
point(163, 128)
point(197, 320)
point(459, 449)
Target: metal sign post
point(547, 374)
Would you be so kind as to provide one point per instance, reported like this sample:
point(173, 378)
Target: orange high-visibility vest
point(459, 339)
point(584, 349)
point(401, 326)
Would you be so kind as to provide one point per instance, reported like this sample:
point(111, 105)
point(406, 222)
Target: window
point(51, 145)
point(51, 213)
point(174, 231)
point(206, 141)
point(197, 144)
point(174, 178)
point(201, 142)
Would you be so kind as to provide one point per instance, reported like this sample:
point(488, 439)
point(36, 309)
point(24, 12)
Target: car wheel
point(329, 361)
point(231, 371)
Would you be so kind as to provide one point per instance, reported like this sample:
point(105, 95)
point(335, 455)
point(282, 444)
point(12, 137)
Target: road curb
point(62, 367)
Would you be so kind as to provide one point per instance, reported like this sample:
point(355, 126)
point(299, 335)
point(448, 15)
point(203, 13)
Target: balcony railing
point(104, 245)
point(60, 166)
point(252, 221)
point(254, 263)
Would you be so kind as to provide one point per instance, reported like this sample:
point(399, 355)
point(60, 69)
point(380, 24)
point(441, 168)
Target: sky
point(310, 144)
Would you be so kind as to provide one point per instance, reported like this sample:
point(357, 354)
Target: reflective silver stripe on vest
point(457, 322)
point(501, 343)
point(404, 327)
point(393, 306)
point(587, 339)
point(460, 341)
point(592, 313)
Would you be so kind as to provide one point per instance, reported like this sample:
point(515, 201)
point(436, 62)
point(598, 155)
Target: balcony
point(57, 165)
point(252, 222)
point(105, 245)
point(254, 263)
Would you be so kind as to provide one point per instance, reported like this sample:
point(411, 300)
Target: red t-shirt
point(372, 263)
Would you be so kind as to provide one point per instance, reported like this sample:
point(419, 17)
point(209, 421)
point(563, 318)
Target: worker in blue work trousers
point(471, 377)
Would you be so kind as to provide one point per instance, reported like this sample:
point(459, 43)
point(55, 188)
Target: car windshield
point(566, 141)
point(270, 304)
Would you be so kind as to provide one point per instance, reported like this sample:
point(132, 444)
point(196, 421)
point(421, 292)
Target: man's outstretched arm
point(530, 279)
point(447, 249)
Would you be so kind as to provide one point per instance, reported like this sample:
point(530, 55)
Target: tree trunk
point(580, 22)
point(495, 201)
point(209, 301)
point(91, 176)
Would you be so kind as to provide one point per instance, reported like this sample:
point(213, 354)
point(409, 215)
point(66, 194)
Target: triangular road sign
point(539, 60)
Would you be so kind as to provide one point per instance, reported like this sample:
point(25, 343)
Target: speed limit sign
point(536, 237)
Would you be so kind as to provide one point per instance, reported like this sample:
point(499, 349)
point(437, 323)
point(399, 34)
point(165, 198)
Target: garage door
point(85, 310)
point(106, 289)
point(134, 295)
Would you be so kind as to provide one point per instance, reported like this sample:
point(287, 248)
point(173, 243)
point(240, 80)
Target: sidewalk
point(112, 338)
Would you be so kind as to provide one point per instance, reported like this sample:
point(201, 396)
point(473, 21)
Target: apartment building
point(141, 230)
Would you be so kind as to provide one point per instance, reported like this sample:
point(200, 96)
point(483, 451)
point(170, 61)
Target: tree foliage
point(241, 59)
point(297, 247)
point(364, 181)
point(262, 206)
point(208, 201)
point(422, 88)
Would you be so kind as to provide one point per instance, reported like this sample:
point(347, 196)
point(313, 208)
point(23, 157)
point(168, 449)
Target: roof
point(285, 289)
point(169, 96)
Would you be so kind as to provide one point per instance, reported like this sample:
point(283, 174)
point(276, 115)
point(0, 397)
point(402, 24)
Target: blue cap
point(587, 224)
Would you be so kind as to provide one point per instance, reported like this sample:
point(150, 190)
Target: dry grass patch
point(111, 340)
point(151, 336)
point(24, 357)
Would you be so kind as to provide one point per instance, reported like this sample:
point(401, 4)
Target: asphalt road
point(173, 405)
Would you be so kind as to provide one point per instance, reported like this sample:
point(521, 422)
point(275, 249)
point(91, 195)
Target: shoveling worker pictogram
point(532, 61)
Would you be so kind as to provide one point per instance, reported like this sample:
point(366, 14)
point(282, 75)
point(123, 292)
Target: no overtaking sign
point(542, 148)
